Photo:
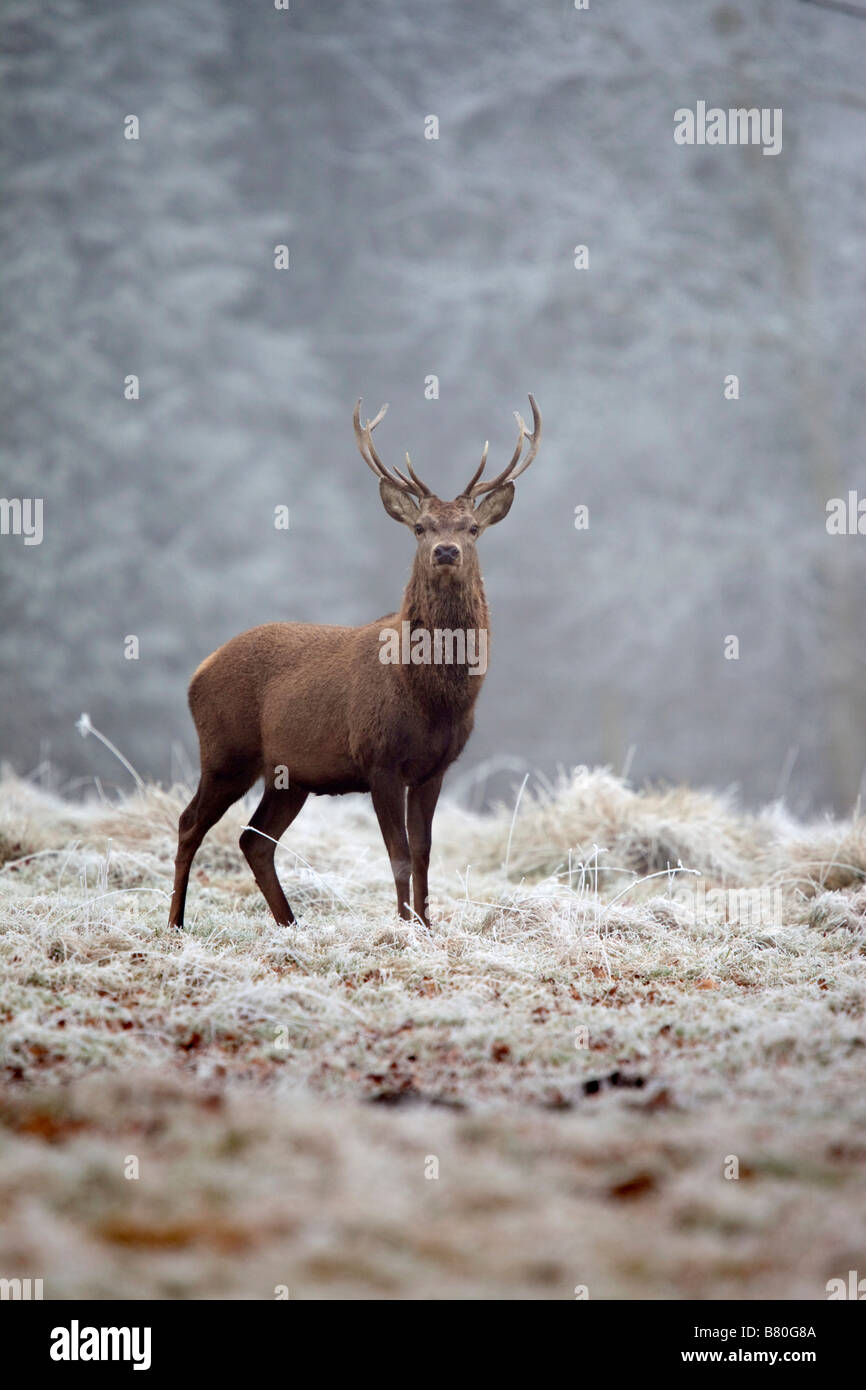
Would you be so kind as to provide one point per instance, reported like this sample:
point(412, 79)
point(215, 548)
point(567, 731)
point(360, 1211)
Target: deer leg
point(273, 815)
point(389, 803)
point(214, 796)
point(421, 803)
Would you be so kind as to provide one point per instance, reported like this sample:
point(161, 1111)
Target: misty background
point(412, 257)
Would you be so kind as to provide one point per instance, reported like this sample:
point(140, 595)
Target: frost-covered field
point(552, 1089)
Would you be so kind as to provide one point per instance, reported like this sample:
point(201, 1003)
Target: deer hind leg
point(389, 803)
point(421, 803)
point(273, 815)
point(216, 793)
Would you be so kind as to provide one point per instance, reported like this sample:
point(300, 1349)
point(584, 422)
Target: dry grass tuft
point(588, 1038)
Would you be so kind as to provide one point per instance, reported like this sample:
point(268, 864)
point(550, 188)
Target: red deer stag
point(322, 709)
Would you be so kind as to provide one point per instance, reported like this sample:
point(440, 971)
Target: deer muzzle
point(446, 555)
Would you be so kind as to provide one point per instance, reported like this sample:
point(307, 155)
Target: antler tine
point(371, 424)
point(416, 488)
point(423, 488)
point(367, 449)
point(467, 491)
point(534, 439)
point(508, 475)
point(362, 436)
point(368, 440)
point(368, 429)
point(502, 478)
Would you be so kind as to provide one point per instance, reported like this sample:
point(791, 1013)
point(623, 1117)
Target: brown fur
point(317, 702)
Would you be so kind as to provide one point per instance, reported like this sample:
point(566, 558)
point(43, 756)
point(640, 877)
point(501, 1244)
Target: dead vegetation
point(577, 1048)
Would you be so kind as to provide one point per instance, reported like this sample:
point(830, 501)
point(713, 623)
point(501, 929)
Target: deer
point(317, 709)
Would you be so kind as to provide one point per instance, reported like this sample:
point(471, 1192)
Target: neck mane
point(458, 606)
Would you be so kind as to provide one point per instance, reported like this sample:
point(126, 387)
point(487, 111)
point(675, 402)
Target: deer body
point(318, 701)
point(314, 708)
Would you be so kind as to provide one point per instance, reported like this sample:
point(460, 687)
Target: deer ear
point(494, 506)
point(397, 503)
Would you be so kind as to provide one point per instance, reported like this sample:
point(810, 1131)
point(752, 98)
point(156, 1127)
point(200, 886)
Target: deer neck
point(452, 611)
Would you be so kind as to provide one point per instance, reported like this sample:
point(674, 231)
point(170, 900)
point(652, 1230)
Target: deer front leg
point(421, 803)
point(389, 803)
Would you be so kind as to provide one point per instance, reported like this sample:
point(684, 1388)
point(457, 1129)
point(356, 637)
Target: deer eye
point(473, 530)
point(419, 530)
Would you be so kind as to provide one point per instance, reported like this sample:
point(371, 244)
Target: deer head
point(447, 531)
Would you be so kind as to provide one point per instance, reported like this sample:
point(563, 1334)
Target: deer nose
point(446, 554)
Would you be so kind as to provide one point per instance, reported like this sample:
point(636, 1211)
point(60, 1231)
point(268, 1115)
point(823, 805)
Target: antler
point(475, 489)
point(363, 434)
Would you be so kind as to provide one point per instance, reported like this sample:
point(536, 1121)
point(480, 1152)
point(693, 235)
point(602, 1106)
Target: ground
point(599, 1074)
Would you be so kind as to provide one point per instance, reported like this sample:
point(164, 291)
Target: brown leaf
point(636, 1186)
